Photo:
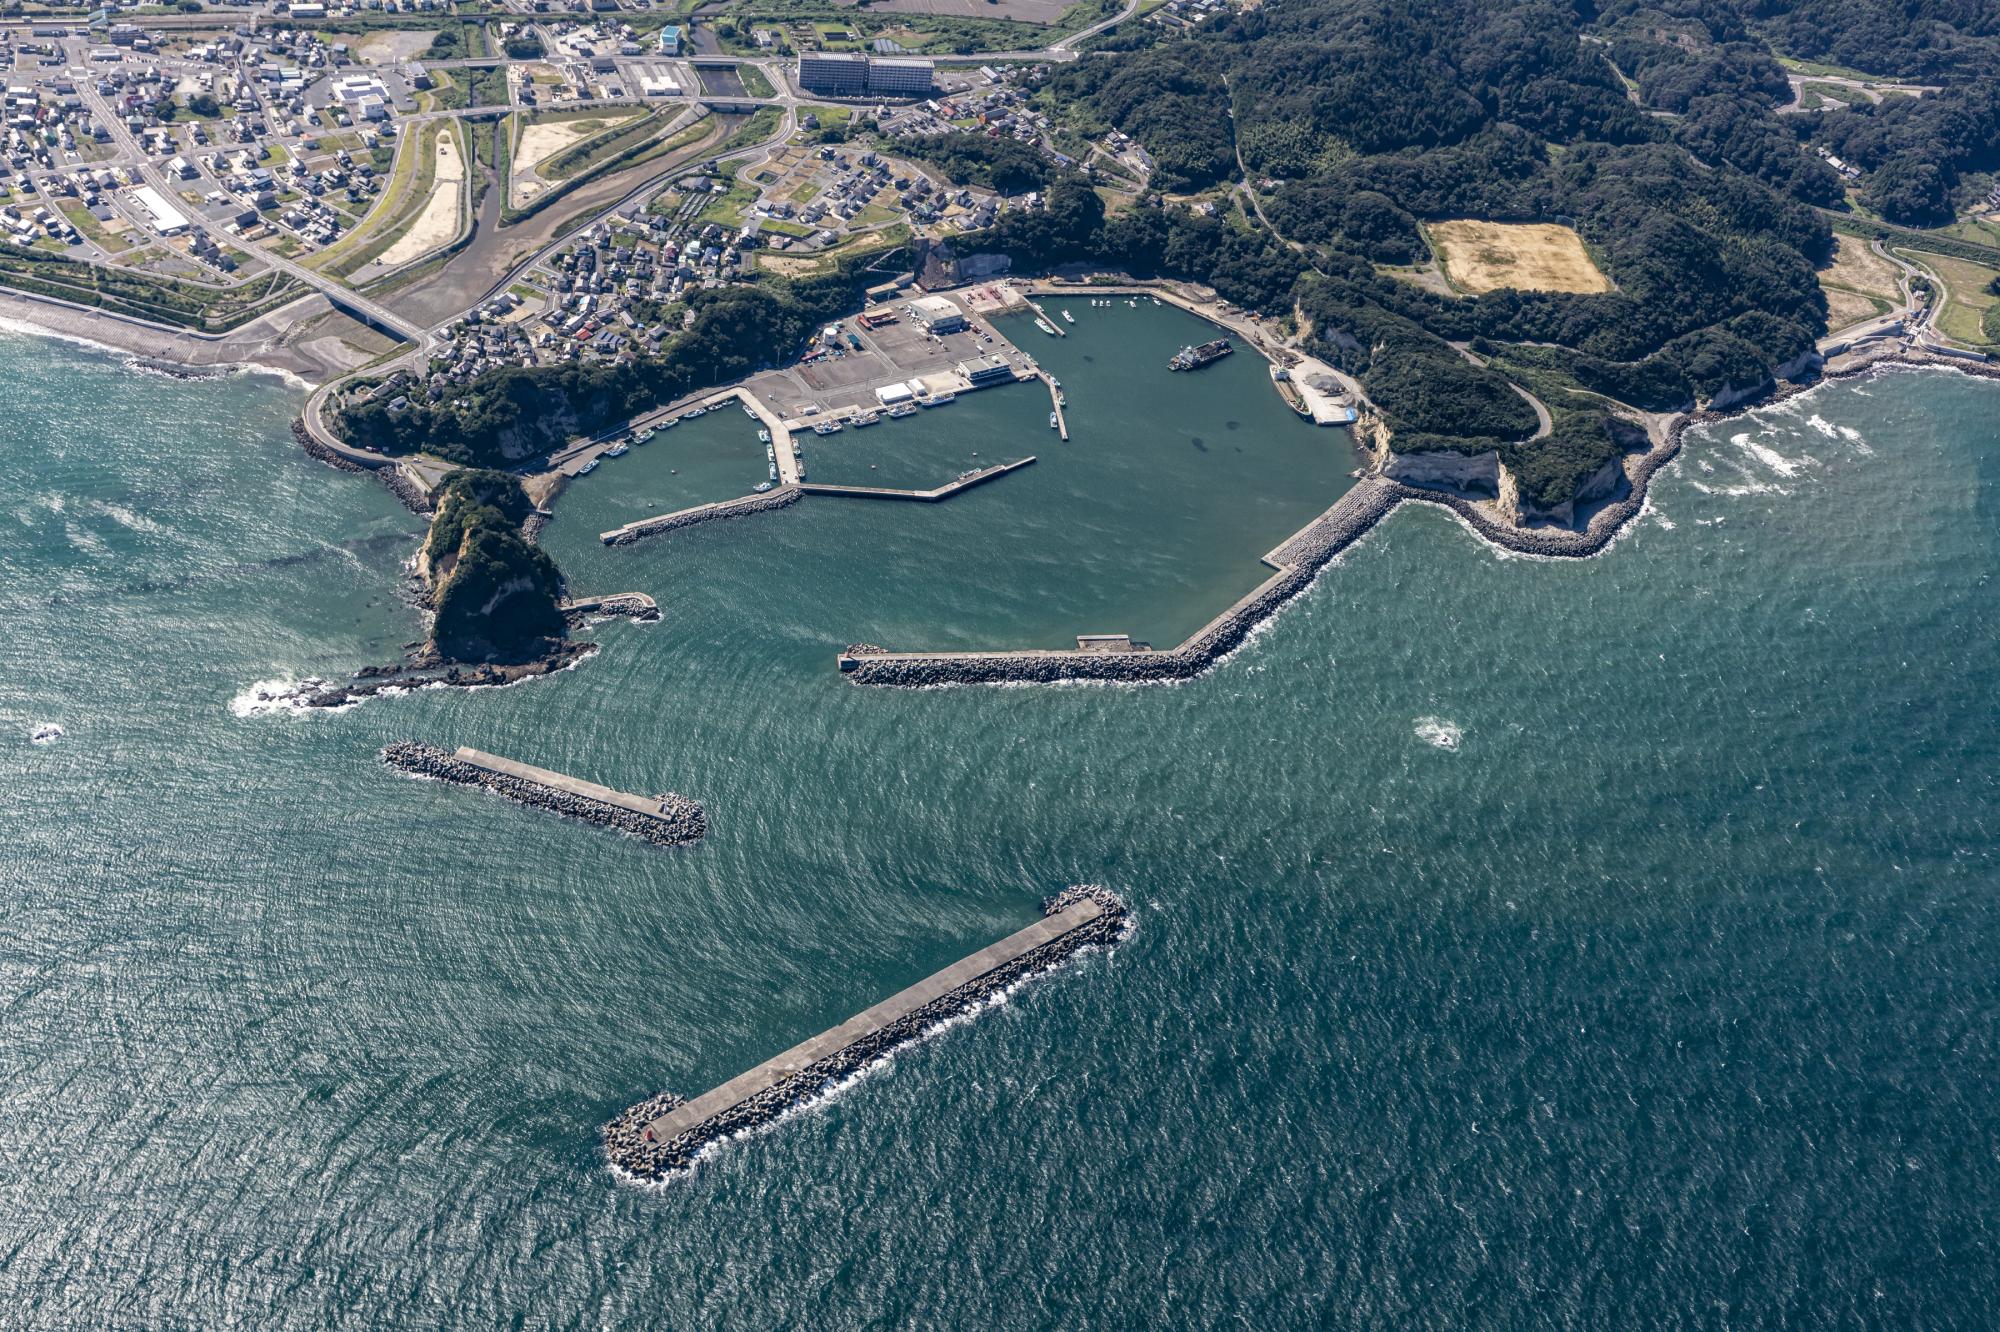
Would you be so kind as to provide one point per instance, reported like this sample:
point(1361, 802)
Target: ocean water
point(1519, 943)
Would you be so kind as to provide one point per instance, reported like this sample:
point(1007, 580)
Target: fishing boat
point(774, 471)
point(670, 423)
point(698, 411)
point(644, 435)
point(826, 427)
point(940, 399)
point(1045, 326)
point(1068, 318)
point(901, 410)
point(46, 734)
point(763, 437)
point(1055, 423)
point(587, 468)
point(749, 411)
point(866, 419)
point(1156, 300)
point(763, 486)
point(616, 451)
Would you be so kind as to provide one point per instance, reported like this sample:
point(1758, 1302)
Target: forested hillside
point(1652, 127)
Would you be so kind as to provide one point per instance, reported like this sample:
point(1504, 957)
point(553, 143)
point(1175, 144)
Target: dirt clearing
point(1530, 256)
point(437, 225)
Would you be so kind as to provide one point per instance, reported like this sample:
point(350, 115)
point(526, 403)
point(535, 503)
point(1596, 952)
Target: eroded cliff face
point(1458, 471)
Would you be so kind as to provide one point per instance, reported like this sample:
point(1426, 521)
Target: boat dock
point(1048, 321)
point(1055, 401)
point(966, 482)
point(664, 1134)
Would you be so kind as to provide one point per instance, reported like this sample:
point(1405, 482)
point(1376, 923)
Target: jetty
point(944, 492)
point(665, 820)
point(701, 513)
point(1055, 401)
point(666, 1134)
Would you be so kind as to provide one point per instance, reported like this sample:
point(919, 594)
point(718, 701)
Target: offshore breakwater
point(665, 820)
point(666, 1134)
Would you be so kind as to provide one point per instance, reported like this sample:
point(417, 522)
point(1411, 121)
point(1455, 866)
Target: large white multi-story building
point(834, 75)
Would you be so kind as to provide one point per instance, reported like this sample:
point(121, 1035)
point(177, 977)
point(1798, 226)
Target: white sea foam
point(1821, 424)
point(124, 517)
point(1439, 732)
point(264, 698)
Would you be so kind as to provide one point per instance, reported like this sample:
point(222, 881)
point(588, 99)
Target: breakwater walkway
point(944, 492)
point(666, 820)
point(665, 1134)
point(1296, 563)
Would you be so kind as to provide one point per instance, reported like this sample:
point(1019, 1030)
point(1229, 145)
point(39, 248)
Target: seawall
point(665, 820)
point(701, 513)
point(665, 1134)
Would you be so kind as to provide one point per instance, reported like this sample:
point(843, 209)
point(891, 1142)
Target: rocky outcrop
point(629, 1139)
point(678, 822)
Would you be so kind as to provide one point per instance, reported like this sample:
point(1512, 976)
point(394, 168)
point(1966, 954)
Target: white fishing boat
point(46, 734)
point(616, 451)
point(763, 437)
point(1068, 318)
point(587, 468)
point(1055, 422)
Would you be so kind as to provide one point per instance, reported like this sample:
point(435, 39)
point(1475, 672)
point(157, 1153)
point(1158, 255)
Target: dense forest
point(1653, 127)
point(516, 413)
point(495, 596)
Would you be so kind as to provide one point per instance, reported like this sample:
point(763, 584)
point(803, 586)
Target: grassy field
point(1969, 298)
point(1859, 283)
point(1533, 256)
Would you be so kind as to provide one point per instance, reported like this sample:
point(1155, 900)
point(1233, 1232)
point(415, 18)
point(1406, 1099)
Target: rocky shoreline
point(634, 1153)
point(679, 822)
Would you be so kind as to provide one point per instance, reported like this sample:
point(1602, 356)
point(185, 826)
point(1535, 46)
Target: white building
point(163, 216)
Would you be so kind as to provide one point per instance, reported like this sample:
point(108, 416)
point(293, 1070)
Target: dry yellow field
point(1525, 256)
point(1855, 267)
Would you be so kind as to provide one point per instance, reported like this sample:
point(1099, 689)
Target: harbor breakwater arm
point(1296, 562)
point(665, 820)
point(666, 1134)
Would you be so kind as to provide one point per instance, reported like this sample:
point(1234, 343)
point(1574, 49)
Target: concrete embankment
point(667, 820)
point(666, 1134)
point(701, 513)
point(944, 492)
point(1296, 562)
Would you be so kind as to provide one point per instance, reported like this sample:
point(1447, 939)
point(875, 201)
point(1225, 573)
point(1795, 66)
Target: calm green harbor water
point(1520, 944)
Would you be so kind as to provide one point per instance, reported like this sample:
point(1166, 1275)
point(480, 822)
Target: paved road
point(351, 301)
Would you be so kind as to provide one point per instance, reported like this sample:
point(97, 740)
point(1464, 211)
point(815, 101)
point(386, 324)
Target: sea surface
point(1520, 944)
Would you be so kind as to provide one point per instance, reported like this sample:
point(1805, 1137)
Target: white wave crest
point(1439, 732)
point(264, 698)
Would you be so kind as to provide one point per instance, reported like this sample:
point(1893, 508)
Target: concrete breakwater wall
point(665, 820)
point(1297, 562)
point(701, 513)
point(665, 1134)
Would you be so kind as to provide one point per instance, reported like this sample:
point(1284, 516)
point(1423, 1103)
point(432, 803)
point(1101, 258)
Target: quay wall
point(667, 820)
point(665, 1134)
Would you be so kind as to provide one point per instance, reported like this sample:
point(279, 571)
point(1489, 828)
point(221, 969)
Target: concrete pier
point(664, 1134)
point(668, 820)
point(1055, 401)
point(963, 483)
